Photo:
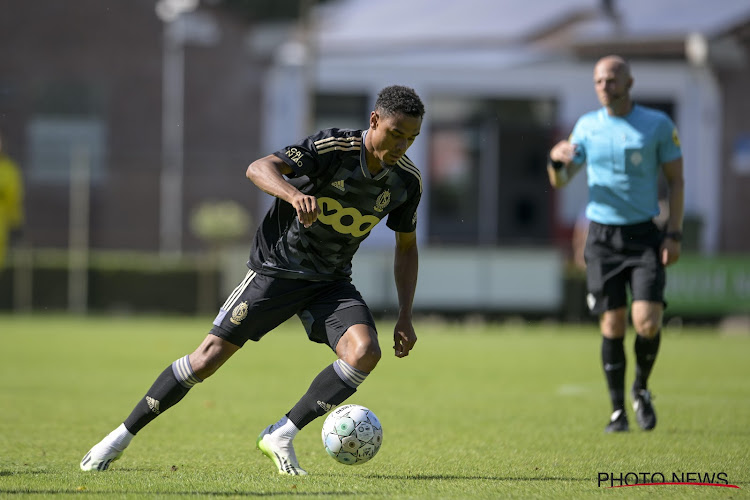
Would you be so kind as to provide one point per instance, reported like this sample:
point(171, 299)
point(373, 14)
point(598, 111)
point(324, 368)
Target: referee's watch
point(557, 165)
point(674, 235)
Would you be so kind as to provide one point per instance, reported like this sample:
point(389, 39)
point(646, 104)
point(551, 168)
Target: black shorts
point(618, 257)
point(261, 303)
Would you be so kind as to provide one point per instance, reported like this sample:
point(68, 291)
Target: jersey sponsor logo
point(339, 185)
point(153, 404)
point(345, 220)
point(295, 155)
point(675, 137)
point(239, 313)
point(383, 200)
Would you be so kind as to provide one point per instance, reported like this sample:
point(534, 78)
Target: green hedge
point(116, 282)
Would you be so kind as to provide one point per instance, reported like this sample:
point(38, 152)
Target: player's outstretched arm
point(268, 174)
point(405, 268)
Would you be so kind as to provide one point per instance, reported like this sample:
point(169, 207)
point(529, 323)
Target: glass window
point(55, 142)
point(454, 182)
point(341, 111)
point(66, 127)
point(487, 171)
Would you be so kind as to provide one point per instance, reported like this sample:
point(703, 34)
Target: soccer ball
point(352, 434)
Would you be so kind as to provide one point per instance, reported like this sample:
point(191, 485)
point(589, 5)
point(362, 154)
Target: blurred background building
point(134, 121)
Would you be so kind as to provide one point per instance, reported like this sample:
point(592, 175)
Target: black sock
point(613, 362)
point(325, 392)
point(166, 392)
point(645, 356)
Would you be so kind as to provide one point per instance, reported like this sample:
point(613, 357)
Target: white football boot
point(280, 450)
point(106, 451)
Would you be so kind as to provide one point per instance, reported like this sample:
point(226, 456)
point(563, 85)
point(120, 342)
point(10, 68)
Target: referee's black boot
point(644, 409)
point(618, 422)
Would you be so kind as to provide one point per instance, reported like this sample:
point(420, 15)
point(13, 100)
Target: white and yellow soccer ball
point(352, 434)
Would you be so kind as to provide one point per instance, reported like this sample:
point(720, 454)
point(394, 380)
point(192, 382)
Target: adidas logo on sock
point(153, 404)
point(325, 406)
point(339, 185)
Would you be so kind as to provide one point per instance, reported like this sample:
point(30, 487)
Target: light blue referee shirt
point(624, 155)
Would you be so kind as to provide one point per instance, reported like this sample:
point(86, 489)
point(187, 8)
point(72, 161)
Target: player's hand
point(563, 151)
point(404, 337)
point(670, 251)
point(307, 209)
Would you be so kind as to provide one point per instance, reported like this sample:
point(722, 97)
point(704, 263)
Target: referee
point(624, 147)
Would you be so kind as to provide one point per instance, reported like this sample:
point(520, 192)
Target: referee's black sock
point(331, 387)
point(645, 356)
point(613, 362)
point(168, 389)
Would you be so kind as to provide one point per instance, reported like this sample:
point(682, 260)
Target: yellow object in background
point(11, 201)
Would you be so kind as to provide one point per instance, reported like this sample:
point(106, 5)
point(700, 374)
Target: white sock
point(120, 438)
point(284, 429)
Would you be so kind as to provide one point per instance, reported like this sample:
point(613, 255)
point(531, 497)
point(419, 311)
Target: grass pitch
point(476, 411)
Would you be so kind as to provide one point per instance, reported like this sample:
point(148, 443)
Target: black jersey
point(331, 165)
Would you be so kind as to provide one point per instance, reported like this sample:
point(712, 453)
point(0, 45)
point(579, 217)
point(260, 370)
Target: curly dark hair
point(399, 99)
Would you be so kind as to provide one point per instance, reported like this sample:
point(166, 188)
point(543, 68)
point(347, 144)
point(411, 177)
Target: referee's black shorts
point(618, 257)
point(261, 303)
